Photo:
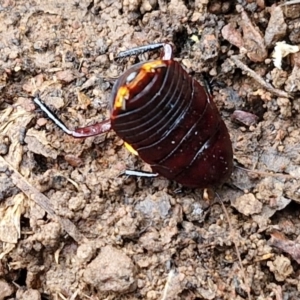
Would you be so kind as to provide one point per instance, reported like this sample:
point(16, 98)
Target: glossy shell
point(172, 123)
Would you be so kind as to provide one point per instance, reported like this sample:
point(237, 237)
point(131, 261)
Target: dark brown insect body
point(171, 121)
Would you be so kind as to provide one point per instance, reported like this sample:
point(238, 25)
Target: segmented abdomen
point(174, 125)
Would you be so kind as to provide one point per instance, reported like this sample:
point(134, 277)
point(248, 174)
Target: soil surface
point(72, 228)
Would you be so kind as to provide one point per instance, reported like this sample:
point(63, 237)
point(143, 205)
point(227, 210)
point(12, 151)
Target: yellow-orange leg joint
point(130, 149)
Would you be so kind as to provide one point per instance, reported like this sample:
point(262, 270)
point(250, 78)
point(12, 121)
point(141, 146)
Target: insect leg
point(83, 132)
point(139, 174)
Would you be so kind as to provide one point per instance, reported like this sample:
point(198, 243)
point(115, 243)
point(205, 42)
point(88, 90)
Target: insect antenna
point(87, 131)
point(139, 50)
point(51, 115)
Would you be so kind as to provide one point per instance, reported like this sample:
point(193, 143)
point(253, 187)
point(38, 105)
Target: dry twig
point(236, 60)
point(290, 2)
point(44, 202)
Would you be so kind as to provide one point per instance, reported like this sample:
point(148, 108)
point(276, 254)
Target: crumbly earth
point(72, 228)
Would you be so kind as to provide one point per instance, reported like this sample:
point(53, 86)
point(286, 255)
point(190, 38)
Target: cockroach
point(167, 118)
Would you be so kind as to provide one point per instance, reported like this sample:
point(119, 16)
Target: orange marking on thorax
point(124, 91)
